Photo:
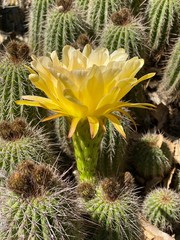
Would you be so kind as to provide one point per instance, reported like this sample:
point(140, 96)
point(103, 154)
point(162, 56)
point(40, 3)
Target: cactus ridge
point(99, 12)
point(129, 37)
point(117, 214)
point(170, 83)
point(161, 207)
point(34, 145)
point(63, 28)
point(38, 14)
point(161, 15)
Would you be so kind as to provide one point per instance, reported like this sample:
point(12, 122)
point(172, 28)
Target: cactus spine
point(161, 207)
point(161, 17)
point(14, 83)
point(151, 158)
point(19, 142)
point(37, 206)
point(115, 209)
point(64, 25)
point(99, 12)
point(124, 31)
point(170, 85)
point(38, 14)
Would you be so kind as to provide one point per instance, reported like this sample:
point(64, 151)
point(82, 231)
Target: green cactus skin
point(150, 158)
point(99, 12)
point(14, 83)
point(124, 31)
point(63, 27)
point(176, 181)
point(115, 209)
point(24, 144)
point(162, 16)
point(37, 20)
point(50, 214)
point(170, 85)
point(161, 208)
point(86, 151)
point(112, 151)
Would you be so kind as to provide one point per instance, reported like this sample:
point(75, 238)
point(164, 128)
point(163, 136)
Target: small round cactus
point(19, 142)
point(124, 31)
point(115, 209)
point(161, 208)
point(151, 158)
point(38, 205)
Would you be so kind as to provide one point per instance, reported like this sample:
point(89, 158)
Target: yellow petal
point(51, 117)
point(73, 126)
point(94, 126)
point(116, 124)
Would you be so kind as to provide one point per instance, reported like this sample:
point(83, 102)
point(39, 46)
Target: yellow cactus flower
point(86, 85)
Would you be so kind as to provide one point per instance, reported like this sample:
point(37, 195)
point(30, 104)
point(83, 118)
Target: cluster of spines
point(124, 31)
point(38, 205)
point(114, 208)
point(64, 25)
point(161, 207)
point(151, 157)
point(19, 141)
point(161, 19)
point(170, 85)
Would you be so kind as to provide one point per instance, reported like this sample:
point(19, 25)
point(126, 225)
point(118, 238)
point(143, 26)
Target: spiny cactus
point(151, 158)
point(64, 25)
point(14, 83)
point(112, 151)
point(82, 5)
point(124, 31)
point(37, 205)
point(162, 16)
point(37, 21)
point(99, 12)
point(161, 208)
point(18, 142)
point(170, 84)
point(115, 209)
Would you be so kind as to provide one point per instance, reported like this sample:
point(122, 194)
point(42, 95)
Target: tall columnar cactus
point(37, 206)
point(161, 207)
point(14, 83)
point(162, 16)
point(151, 158)
point(64, 25)
point(170, 84)
point(99, 12)
point(37, 21)
point(19, 142)
point(124, 31)
point(114, 208)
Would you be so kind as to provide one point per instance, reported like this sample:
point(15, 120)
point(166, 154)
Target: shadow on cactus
point(38, 205)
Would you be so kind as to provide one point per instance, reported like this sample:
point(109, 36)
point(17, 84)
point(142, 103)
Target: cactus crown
point(30, 179)
point(64, 5)
point(122, 17)
point(110, 188)
point(17, 51)
point(86, 191)
point(14, 130)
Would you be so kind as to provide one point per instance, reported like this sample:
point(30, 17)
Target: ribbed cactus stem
point(99, 12)
point(161, 19)
point(86, 152)
point(64, 25)
point(38, 14)
point(124, 31)
point(170, 85)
